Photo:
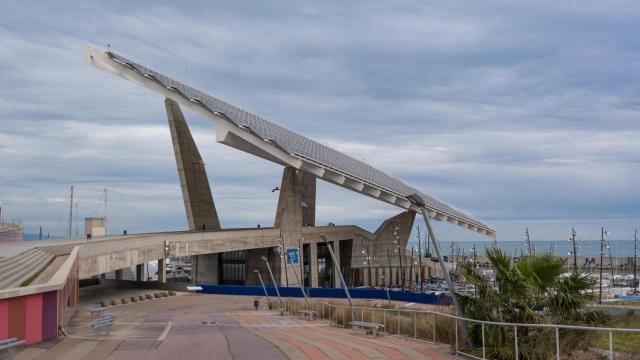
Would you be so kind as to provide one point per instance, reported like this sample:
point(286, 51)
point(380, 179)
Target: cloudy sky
point(524, 114)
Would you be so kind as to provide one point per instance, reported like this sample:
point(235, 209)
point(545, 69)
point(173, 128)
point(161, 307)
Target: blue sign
point(292, 255)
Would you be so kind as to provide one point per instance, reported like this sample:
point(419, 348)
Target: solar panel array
point(296, 144)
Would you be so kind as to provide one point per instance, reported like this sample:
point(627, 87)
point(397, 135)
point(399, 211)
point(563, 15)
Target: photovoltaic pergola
point(250, 133)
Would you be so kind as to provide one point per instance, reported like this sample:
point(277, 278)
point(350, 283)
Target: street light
point(399, 251)
point(262, 283)
point(419, 238)
point(368, 263)
point(344, 284)
point(273, 280)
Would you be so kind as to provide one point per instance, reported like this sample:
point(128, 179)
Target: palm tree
point(532, 290)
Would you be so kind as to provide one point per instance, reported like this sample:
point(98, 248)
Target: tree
point(533, 290)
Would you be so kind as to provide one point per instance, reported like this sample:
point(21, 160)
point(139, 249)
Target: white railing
point(393, 321)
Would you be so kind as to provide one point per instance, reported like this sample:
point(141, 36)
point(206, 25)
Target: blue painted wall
point(359, 293)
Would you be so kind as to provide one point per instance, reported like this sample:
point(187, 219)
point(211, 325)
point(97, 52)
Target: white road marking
point(165, 332)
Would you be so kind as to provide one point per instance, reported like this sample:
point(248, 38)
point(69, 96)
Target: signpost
point(292, 256)
point(292, 259)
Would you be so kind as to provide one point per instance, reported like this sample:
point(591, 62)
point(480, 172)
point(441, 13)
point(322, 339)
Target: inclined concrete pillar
point(140, 272)
point(196, 191)
point(296, 208)
point(313, 263)
point(162, 274)
point(119, 274)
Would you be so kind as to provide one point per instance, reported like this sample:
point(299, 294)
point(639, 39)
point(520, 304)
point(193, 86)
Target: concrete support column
point(335, 245)
point(119, 274)
point(313, 264)
point(162, 274)
point(206, 268)
point(196, 192)
point(140, 272)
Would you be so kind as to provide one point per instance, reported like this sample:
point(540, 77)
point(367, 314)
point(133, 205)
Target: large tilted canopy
point(248, 132)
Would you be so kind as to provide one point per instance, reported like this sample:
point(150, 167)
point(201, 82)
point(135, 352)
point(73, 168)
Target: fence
point(435, 327)
point(337, 293)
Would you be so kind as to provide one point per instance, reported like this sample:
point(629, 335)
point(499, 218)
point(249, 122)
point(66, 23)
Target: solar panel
point(297, 145)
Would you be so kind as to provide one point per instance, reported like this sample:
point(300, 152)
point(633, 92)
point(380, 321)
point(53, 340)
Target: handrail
point(486, 322)
point(289, 304)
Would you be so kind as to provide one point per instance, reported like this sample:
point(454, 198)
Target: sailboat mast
point(105, 212)
point(71, 211)
point(635, 261)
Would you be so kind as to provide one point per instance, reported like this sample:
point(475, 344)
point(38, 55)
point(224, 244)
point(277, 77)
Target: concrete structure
point(229, 256)
point(94, 227)
point(10, 233)
point(198, 201)
point(304, 160)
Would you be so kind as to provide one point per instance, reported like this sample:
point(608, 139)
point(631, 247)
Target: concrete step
point(23, 272)
point(58, 249)
point(20, 267)
point(17, 259)
point(25, 269)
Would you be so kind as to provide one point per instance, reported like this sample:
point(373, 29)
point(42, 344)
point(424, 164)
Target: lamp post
point(613, 279)
point(399, 250)
point(262, 283)
point(386, 288)
point(390, 269)
point(411, 271)
point(300, 283)
point(273, 280)
point(420, 260)
point(344, 284)
point(368, 263)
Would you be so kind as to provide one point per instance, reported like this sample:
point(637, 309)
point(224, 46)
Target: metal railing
point(444, 327)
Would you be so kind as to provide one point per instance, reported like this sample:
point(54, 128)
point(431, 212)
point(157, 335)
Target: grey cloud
point(511, 111)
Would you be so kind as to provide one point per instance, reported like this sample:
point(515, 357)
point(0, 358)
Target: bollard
point(433, 322)
point(515, 337)
point(456, 321)
point(484, 351)
point(557, 344)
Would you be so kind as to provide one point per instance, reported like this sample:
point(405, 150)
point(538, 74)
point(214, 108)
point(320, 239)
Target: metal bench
point(10, 346)
point(102, 324)
point(367, 325)
point(96, 311)
point(307, 314)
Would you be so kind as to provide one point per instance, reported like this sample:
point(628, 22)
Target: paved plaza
point(218, 327)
